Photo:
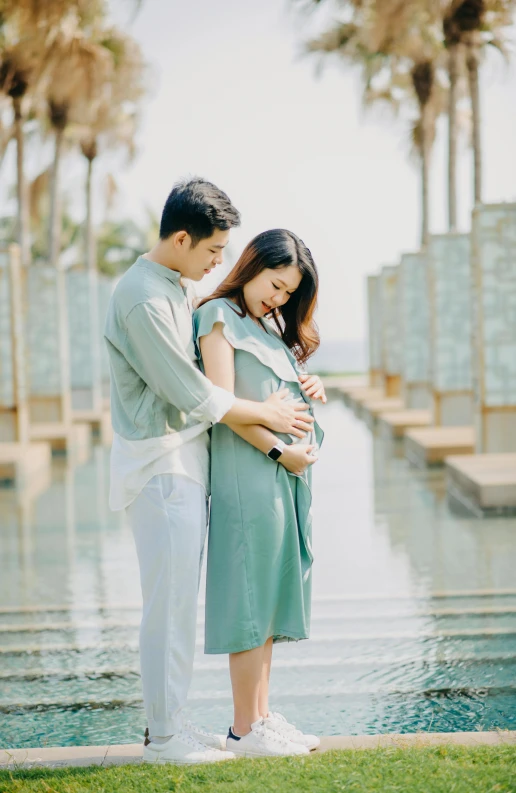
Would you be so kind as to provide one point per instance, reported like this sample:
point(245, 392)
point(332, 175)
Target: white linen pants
point(168, 519)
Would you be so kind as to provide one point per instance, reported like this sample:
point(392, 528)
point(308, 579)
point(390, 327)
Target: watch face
point(274, 453)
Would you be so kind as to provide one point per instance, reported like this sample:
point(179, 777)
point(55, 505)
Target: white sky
point(233, 102)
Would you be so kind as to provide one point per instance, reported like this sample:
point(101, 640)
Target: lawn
point(484, 769)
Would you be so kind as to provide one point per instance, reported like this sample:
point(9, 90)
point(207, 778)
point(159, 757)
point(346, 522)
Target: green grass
point(443, 769)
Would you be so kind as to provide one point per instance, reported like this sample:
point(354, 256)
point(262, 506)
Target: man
point(162, 407)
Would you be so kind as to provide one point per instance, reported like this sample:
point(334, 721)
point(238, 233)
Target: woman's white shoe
point(182, 749)
point(277, 722)
point(264, 742)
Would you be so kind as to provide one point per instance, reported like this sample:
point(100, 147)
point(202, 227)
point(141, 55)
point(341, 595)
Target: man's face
point(200, 260)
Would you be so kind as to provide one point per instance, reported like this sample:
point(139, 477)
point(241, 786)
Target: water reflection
point(414, 613)
point(448, 549)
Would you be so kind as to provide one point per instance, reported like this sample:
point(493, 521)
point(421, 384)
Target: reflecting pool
point(414, 610)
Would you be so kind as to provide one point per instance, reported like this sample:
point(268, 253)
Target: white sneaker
point(263, 742)
point(277, 722)
point(209, 739)
point(181, 749)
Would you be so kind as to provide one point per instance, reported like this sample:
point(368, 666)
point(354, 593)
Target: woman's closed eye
point(279, 287)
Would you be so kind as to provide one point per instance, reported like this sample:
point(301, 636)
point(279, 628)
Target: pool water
point(414, 608)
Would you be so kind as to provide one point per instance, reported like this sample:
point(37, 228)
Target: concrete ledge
point(343, 383)
point(371, 409)
point(430, 445)
point(356, 396)
point(100, 422)
point(483, 482)
point(363, 394)
point(63, 437)
point(419, 739)
point(55, 757)
point(394, 424)
point(19, 462)
point(130, 753)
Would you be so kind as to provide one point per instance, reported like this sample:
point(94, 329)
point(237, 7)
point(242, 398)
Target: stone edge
point(55, 757)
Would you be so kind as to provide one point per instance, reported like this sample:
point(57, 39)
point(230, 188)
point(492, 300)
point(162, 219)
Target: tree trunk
point(453, 71)
point(91, 265)
point(22, 220)
point(472, 65)
point(425, 162)
point(89, 242)
point(54, 241)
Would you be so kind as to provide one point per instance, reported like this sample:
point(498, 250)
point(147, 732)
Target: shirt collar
point(160, 269)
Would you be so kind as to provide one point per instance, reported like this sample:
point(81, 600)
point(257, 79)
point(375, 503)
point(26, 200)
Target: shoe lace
point(278, 717)
point(270, 734)
point(193, 728)
point(283, 725)
point(189, 739)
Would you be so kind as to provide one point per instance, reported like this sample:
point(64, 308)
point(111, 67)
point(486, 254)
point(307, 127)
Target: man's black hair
point(198, 207)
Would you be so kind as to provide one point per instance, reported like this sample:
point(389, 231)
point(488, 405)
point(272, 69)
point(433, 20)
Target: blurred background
point(381, 132)
point(232, 92)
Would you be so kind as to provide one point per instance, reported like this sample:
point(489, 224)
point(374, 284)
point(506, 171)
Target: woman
point(259, 548)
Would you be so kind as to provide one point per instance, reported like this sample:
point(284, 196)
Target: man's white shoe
point(263, 742)
point(209, 739)
point(182, 749)
point(277, 722)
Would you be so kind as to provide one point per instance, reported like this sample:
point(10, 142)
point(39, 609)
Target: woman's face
point(271, 289)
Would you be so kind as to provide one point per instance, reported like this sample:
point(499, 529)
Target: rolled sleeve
point(215, 407)
point(156, 353)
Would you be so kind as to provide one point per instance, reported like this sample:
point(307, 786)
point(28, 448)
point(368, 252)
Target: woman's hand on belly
point(313, 387)
point(297, 457)
point(288, 414)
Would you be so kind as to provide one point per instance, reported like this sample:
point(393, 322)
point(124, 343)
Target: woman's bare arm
point(219, 366)
point(218, 357)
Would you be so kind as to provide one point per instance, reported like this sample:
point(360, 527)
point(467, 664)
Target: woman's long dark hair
point(274, 249)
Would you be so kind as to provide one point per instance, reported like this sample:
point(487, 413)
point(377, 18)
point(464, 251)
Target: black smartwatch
point(276, 450)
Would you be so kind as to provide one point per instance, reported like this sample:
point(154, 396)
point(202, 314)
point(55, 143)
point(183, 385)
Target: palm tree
point(27, 29)
point(39, 201)
point(6, 130)
point(18, 68)
point(452, 42)
point(420, 83)
point(407, 30)
point(81, 65)
point(112, 121)
point(397, 50)
point(423, 78)
point(469, 26)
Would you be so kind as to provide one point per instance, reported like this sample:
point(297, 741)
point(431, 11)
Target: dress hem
point(281, 635)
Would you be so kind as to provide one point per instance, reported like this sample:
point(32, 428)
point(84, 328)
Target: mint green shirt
point(156, 385)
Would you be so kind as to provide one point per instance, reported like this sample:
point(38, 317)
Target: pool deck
point(354, 397)
point(98, 420)
point(62, 436)
point(345, 382)
point(393, 424)
point(431, 445)
point(371, 409)
point(20, 462)
point(483, 481)
point(131, 753)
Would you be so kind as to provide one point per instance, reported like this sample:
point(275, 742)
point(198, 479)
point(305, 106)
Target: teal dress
point(259, 545)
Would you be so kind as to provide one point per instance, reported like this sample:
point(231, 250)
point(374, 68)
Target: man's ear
point(180, 238)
